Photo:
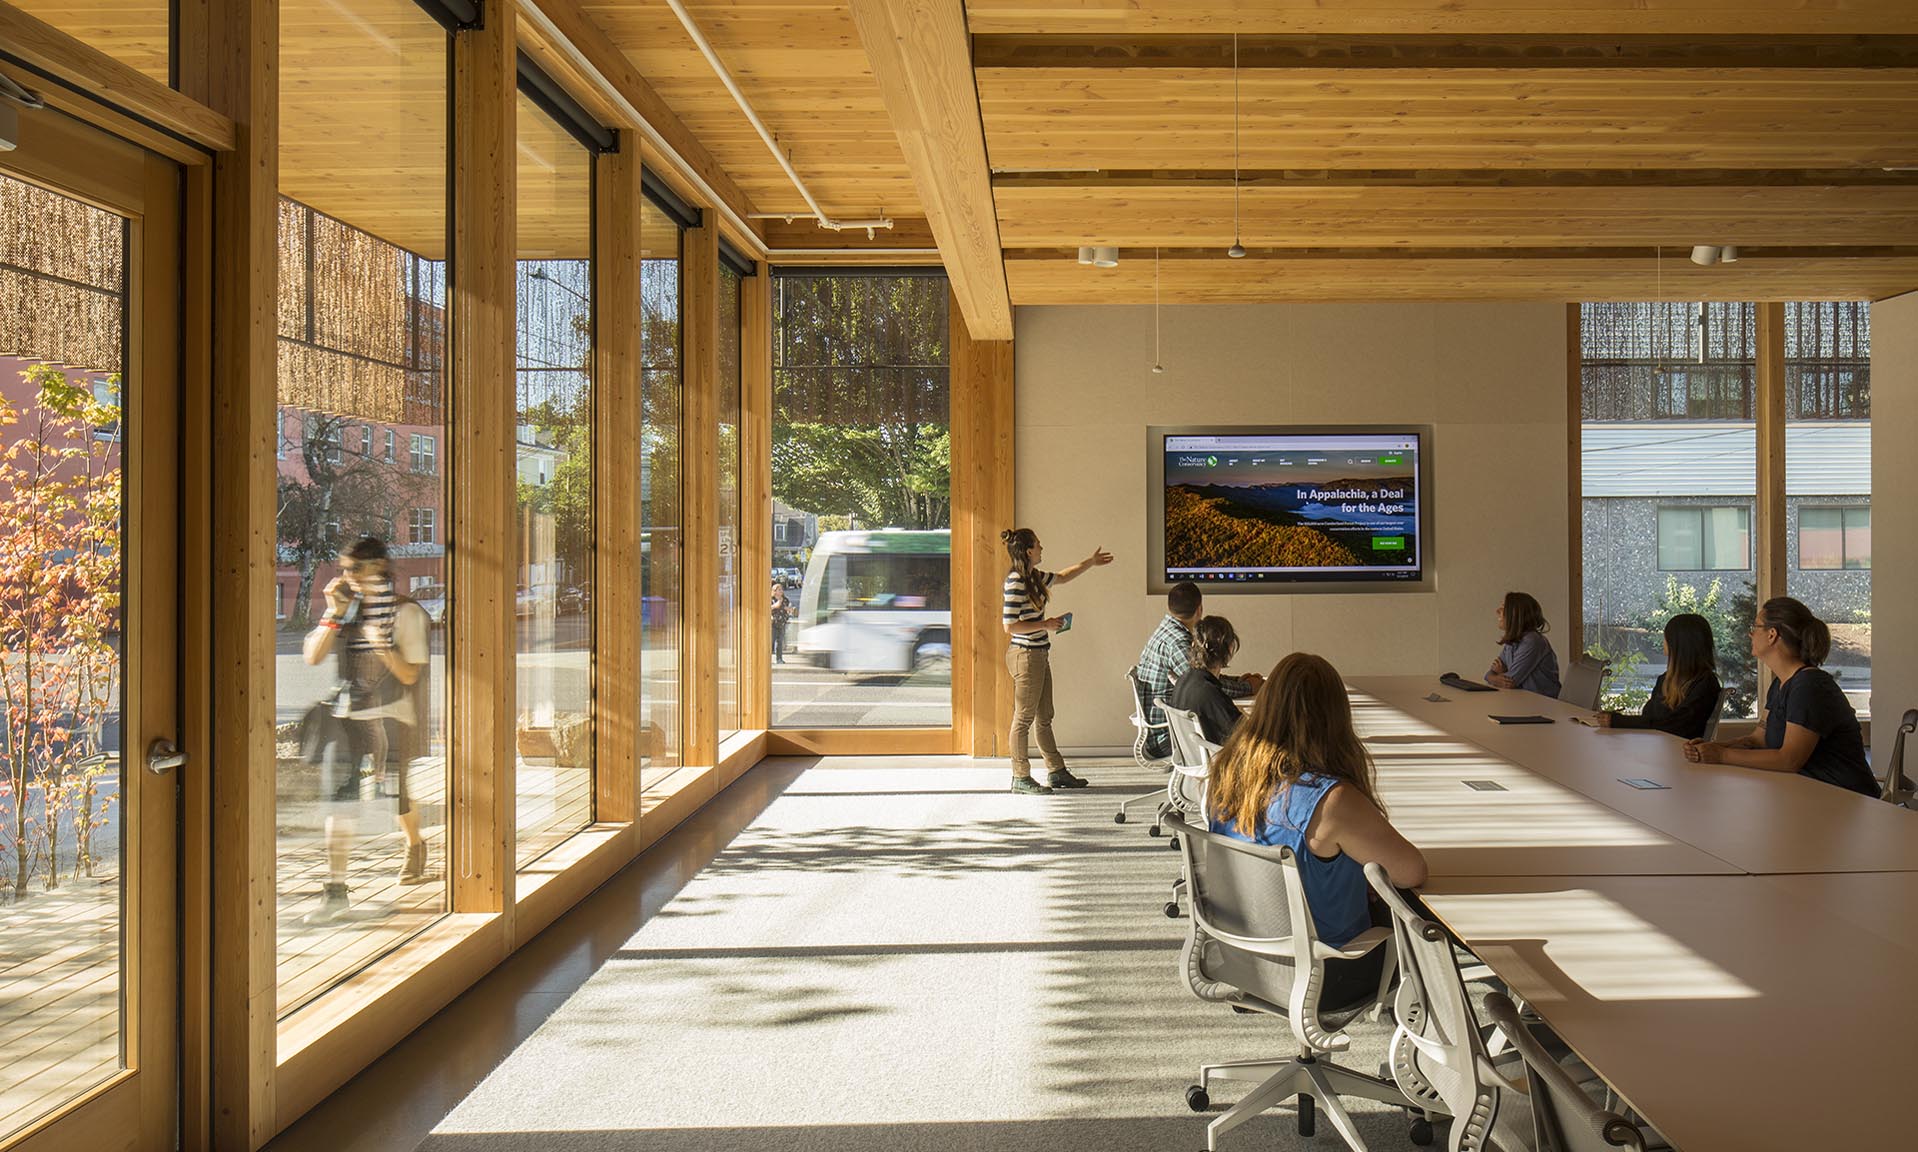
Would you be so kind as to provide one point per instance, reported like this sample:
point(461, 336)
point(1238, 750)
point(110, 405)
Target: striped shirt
point(1018, 606)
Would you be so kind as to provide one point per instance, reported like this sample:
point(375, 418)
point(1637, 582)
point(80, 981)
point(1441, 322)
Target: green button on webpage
point(1391, 459)
point(1388, 543)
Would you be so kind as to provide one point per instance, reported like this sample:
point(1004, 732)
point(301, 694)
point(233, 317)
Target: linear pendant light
point(1158, 365)
point(1237, 251)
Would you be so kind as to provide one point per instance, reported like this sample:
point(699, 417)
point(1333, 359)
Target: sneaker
point(1063, 778)
point(1027, 786)
point(332, 909)
point(414, 870)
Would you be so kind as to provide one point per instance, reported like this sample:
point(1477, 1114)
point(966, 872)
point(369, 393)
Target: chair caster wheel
point(1171, 909)
point(1421, 1133)
point(1119, 818)
point(1196, 1099)
point(1155, 830)
point(1173, 844)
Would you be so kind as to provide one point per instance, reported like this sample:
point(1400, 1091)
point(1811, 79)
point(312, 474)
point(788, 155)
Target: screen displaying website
point(1292, 508)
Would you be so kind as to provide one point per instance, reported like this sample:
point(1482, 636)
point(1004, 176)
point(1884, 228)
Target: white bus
point(878, 601)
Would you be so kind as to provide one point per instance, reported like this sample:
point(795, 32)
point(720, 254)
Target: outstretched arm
point(1099, 556)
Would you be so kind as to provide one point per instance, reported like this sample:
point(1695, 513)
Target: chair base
point(1318, 1083)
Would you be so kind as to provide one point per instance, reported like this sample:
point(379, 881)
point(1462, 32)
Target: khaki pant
point(1032, 707)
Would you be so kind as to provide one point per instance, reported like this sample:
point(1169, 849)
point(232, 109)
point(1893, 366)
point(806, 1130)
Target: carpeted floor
point(900, 958)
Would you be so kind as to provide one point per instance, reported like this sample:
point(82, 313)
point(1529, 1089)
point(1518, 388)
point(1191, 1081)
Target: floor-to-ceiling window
point(861, 524)
point(726, 461)
point(1828, 479)
point(553, 602)
point(1669, 473)
point(659, 473)
point(362, 449)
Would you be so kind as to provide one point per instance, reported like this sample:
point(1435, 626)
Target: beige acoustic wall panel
point(1894, 477)
point(1087, 395)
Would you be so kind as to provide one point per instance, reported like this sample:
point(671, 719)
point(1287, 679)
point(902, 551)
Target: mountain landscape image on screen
point(1238, 514)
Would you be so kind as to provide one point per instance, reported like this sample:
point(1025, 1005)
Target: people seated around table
point(1201, 688)
point(1294, 773)
point(1685, 695)
point(1525, 658)
point(1810, 728)
point(1167, 655)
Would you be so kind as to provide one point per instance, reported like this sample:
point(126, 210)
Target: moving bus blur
point(878, 601)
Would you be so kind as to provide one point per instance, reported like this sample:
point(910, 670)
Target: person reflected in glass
point(1027, 590)
point(379, 639)
point(1525, 658)
point(782, 612)
point(1685, 696)
point(1810, 727)
point(1294, 773)
point(1201, 688)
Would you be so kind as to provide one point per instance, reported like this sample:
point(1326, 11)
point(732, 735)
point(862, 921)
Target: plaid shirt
point(1168, 653)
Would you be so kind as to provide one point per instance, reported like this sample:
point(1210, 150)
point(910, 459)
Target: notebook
point(1520, 719)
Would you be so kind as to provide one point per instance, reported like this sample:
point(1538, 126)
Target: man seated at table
point(1167, 656)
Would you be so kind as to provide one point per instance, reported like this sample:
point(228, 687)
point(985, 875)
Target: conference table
point(1731, 950)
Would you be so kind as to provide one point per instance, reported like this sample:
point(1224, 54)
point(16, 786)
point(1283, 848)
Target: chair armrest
point(1354, 948)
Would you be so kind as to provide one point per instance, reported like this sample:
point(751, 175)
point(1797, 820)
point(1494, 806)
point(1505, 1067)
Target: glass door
point(89, 553)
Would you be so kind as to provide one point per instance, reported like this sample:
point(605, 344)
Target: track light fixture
point(1705, 255)
point(1085, 254)
point(1105, 257)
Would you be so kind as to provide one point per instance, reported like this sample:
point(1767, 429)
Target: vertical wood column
point(699, 474)
point(981, 378)
point(756, 499)
point(482, 470)
point(228, 61)
point(1575, 476)
point(616, 412)
point(1769, 530)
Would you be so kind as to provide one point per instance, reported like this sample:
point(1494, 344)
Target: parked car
point(575, 600)
point(432, 598)
point(536, 600)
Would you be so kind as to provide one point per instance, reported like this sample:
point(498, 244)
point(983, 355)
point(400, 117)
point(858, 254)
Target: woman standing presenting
point(1023, 611)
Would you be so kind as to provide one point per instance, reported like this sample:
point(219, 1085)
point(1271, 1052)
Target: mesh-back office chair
point(1897, 786)
point(1185, 787)
point(1564, 1116)
point(1583, 680)
point(1718, 713)
point(1252, 945)
point(1142, 740)
point(1438, 1053)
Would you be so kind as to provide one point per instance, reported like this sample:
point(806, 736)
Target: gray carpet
point(900, 958)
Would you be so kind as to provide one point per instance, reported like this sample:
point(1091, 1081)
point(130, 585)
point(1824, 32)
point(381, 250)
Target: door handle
point(163, 757)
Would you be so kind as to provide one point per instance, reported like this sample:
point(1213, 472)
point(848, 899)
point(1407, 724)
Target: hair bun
point(1006, 536)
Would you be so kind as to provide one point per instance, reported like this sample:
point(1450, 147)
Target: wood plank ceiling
point(1394, 149)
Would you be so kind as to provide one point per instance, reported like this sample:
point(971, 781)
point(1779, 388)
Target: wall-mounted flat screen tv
point(1294, 509)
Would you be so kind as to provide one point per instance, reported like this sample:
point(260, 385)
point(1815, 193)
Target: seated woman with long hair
point(1294, 773)
point(1686, 694)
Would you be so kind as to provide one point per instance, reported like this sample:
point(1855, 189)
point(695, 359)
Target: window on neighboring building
point(1833, 538)
point(389, 446)
point(420, 528)
point(1715, 539)
point(423, 450)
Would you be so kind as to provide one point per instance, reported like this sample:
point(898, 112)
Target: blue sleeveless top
point(1334, 888)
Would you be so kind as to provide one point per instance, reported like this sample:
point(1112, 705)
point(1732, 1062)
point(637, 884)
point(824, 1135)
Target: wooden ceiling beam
point(1209, 277)
point(1257, 53)
point(596, 59)
point(920, 56)
point(1410, 217)
point(1442, 17)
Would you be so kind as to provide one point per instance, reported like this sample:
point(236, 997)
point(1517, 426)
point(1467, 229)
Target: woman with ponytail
point(1810, 728)
point(1028, 588)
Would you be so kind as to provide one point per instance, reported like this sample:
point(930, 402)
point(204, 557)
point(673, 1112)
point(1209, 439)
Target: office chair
point(1144, 730)
point(1252, 945)
point(1718, 712)
point(1438, 1052)
point(1185, 787)
point(1898, 788)
point(1564, 1116)
point(1583, 681)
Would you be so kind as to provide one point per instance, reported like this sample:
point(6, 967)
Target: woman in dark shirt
point(1686, 694)
point(1199, 689)
point(1810, 728)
